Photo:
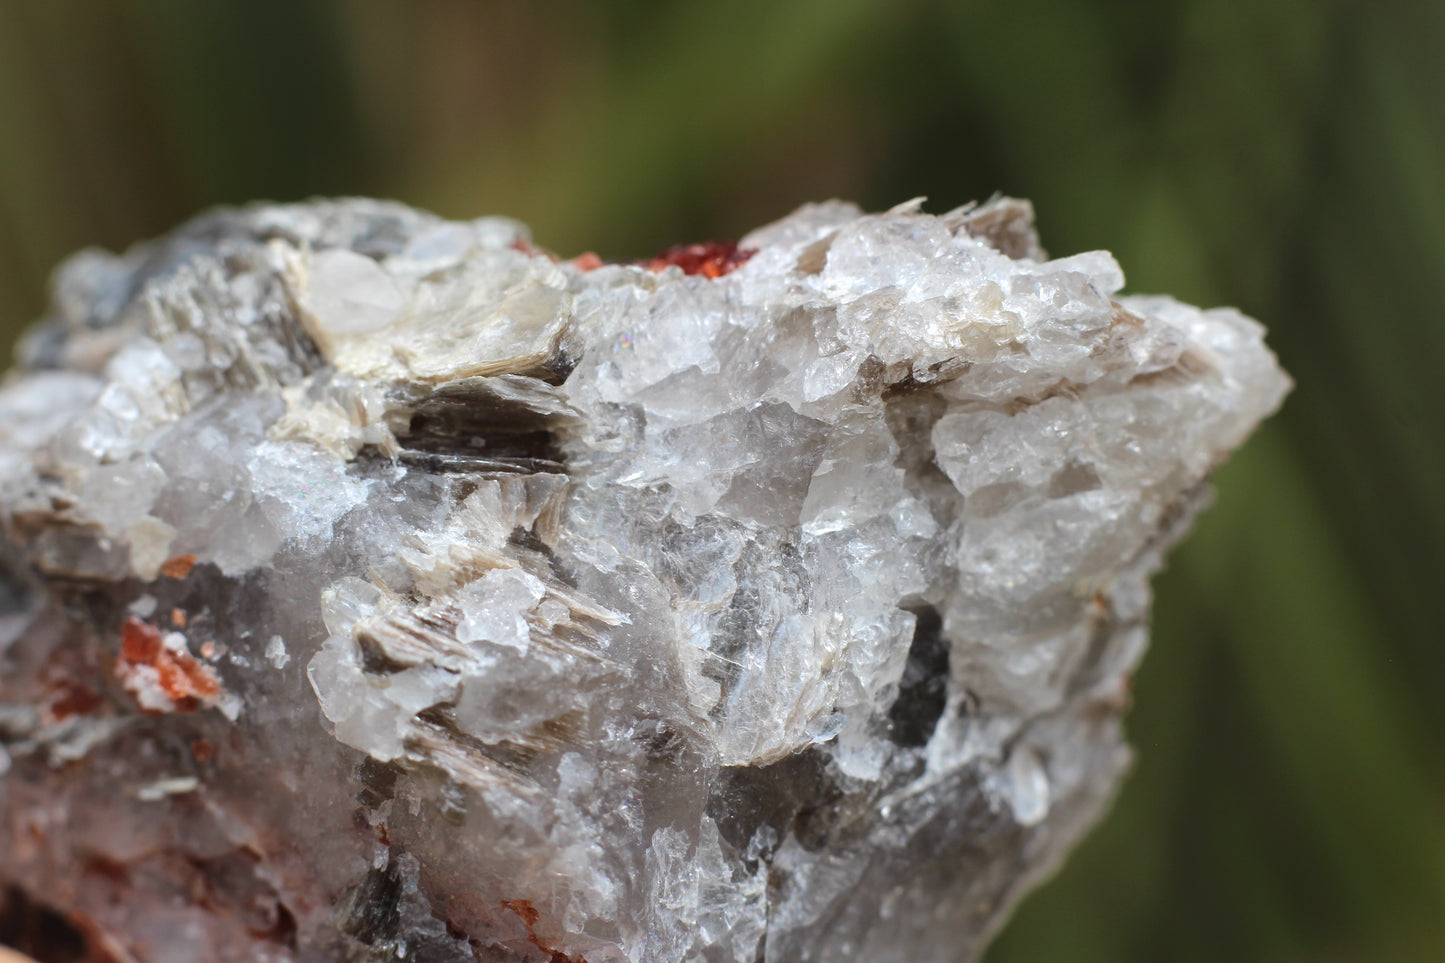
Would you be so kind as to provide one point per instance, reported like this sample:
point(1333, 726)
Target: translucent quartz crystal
point(378, 587)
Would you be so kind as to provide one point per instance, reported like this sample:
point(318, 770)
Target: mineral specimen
point(378, 587)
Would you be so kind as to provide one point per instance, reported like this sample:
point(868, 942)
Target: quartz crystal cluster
point(379, 587)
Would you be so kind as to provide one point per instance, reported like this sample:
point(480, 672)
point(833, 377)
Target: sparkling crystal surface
point(378, 587)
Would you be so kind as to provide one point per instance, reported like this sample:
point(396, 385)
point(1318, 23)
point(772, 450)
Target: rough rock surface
point(378, 587)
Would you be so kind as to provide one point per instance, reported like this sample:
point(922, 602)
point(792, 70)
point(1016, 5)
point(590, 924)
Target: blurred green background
point(1281, 155)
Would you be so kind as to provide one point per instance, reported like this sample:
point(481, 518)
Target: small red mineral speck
point(178, 567)
point(113, 870)
point(183, 680)
point(202, 750)
point(587, 262)
point(140, 642)
point(531, 250)
point(72, 699)
point(712, 259)
point(178, 618)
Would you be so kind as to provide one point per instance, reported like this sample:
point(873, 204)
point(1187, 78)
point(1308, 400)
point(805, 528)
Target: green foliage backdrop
point(1287, 156)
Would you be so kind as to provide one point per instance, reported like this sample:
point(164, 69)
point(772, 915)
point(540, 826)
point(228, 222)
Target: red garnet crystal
point(711, 259)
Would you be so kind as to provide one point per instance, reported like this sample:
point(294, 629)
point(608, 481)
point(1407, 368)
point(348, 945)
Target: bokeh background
point(1286, 156)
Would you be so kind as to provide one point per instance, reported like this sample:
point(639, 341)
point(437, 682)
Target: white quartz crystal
point(771, 604)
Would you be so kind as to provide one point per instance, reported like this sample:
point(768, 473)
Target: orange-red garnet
point(711, 259)
point(146, 663)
